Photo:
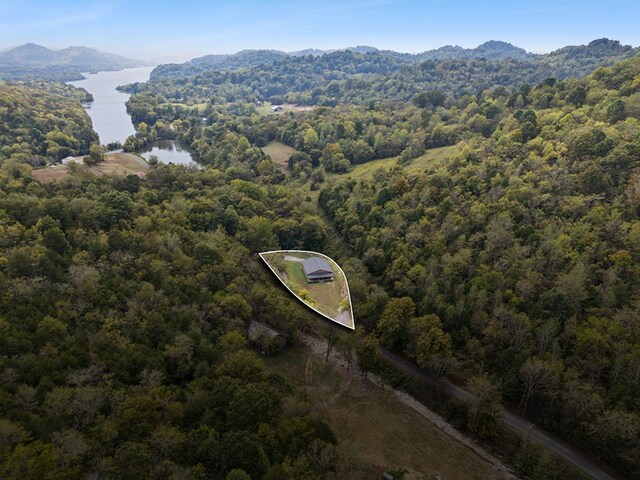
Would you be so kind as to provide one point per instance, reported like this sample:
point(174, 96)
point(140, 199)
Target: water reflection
point(109, 115)
point(168, 151)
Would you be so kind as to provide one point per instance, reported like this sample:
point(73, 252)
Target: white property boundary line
point(294, 294)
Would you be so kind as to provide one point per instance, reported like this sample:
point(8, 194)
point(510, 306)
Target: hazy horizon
point(153, 31)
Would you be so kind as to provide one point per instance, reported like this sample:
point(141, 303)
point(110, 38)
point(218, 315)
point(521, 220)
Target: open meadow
point(115, 163)
point(375, 431)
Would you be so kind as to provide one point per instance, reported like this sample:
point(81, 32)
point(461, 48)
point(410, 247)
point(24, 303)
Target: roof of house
point(316, 265)
point(257, 329)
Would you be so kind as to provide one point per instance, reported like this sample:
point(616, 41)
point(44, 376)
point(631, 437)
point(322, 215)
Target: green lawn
point(279, 153)
point(295, 273)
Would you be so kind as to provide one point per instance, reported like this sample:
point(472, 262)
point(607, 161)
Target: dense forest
point(42, 121)
point(523, 246)
point(511, 259)
point(123, 352)
point(514, 256)
point(362, 78)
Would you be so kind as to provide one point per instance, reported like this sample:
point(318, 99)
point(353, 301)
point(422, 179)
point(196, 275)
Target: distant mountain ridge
point(31, 55)
point(32, 61)
point(571, 60)
point(490, 50)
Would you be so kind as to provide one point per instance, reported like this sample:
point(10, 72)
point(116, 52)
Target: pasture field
point(115, 163)
point(375, 431)
point(279, 153)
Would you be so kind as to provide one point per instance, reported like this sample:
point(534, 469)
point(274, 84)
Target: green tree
point(394, 321)
point(96, 155)
point(367, 353)
point(237, 474)
point(616, 111)
point(310, 139)
point(577, 96)
point(486, 408)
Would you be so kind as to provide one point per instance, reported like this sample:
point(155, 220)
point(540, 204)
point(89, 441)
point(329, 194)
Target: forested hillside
point(43, 121)
point(360, 78)
point(123, 310)
point(509, 257)
point(35, 62)
point(514, 256)
point(522, 250)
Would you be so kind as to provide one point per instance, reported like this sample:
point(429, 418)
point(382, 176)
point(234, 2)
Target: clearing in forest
point(268, 108)
point(115, 163)
point(376, 432)
point(279, 153)
point(316, 280)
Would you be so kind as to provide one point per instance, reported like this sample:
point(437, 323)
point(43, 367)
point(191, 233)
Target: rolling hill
point(31, 61)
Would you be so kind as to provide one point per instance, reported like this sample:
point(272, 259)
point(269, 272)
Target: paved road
point(514, 421)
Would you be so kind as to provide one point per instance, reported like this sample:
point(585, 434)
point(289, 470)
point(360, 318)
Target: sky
point(151, 30)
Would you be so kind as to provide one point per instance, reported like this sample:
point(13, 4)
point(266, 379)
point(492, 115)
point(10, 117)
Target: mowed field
point(375, 431)
point(115, 163)
point(279, 153)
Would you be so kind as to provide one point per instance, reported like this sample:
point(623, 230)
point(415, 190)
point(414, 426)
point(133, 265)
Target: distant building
point(317, 269)
point(266, 338)
point(276, 108)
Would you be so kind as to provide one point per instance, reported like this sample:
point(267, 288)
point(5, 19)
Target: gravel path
point(521, 425)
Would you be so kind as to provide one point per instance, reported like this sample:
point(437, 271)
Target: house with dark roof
point(317, 269)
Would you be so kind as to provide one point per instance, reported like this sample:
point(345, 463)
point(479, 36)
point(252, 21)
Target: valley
point(484, 204)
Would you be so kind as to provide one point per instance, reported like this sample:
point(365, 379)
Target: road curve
point(524, 427)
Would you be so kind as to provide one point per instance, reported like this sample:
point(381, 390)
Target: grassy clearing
point(201, 107)
point(266, 109)
point(432, 158)
point(279, 153)
point(375, 431)
point(115, 163)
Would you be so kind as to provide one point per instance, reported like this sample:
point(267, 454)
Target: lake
point(168, 152)
point(109, 115)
